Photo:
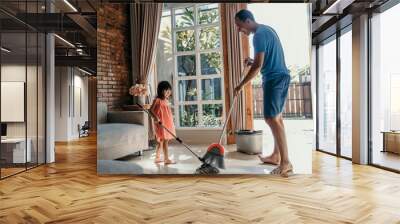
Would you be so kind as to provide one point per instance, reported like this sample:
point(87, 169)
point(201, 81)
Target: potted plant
point(139, 92)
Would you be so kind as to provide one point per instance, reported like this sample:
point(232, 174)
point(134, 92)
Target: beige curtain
point(145, 25)
point(234, 62)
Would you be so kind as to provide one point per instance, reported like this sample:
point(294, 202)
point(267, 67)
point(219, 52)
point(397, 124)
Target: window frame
point(334, 37)
point(198, 77)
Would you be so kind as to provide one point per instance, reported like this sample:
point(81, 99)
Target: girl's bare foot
point(158, 160)
point(168, 161)
point(273, 159)
point(283, 169)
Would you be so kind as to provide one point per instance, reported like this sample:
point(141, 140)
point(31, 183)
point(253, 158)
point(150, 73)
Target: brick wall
point(113, 55)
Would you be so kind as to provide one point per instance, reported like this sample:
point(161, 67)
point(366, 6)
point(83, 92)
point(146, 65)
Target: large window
point(190, 47)
point(346, 93)
point(335, 108)
point(385, 89)
point(327, 96)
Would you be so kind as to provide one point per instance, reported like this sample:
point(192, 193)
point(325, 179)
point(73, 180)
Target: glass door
point(385, 89)
point(327, 93)
point(346, 93)
point(22, 101)
point(14, 153)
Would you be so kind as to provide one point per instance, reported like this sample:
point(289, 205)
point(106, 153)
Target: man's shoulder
point(264, 30)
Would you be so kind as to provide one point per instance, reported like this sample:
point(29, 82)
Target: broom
point(215, 152)
point(210, 161)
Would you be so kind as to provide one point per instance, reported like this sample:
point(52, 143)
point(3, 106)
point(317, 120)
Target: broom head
point(215, 155)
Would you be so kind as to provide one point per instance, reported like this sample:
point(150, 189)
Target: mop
point(211, 161)
point(215, 151)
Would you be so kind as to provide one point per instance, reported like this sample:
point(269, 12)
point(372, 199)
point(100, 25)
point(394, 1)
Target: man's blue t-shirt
point(266, 40)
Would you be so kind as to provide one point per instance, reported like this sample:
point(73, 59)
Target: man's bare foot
point(283, 169)
point(273, 159)
point(168, 161)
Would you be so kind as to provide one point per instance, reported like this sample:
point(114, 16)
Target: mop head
point(206, 169)
point(212, 160)
point(215, 156)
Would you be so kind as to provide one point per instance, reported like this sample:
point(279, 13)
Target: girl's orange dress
point(163, 111)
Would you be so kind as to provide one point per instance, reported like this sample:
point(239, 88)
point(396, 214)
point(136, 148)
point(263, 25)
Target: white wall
point(16, 73)
point(71, 86)
point(200, 136)
point(62, 103)
point(79, 117)
point(33, 126)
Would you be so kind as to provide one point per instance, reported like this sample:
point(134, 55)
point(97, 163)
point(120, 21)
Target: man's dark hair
point(244, 14)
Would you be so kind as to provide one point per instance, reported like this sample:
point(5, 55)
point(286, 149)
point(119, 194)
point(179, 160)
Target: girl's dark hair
point(162, 86)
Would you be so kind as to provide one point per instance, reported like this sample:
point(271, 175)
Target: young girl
point(160, 108)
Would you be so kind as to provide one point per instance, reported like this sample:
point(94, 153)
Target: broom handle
point(227, 119)
point(170, 132)
point(233, 103)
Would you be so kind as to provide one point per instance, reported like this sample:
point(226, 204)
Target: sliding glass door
point(334, 63)
point(327, 96)
point(14, 143)
point(346, 92)
point(385, 89)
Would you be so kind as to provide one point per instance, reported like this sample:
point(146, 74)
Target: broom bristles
point(215, 156)
point(217, 146)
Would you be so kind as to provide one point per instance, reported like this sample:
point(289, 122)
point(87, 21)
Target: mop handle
point(170, 132)
point(227, 119)
point(233, 103)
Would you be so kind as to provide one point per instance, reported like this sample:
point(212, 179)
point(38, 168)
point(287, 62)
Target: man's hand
point(237, 90)
point(248, 62)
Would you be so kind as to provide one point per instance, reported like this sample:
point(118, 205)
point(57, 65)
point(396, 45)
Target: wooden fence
point(298, 103)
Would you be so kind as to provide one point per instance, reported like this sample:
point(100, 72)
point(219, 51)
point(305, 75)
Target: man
point(269, 59)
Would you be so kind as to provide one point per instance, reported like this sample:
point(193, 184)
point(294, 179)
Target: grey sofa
point(120, 133)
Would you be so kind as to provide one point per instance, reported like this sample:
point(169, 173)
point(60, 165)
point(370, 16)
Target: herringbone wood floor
point(70, 191)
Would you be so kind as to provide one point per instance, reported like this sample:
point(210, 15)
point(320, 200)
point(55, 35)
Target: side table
point(391, 141)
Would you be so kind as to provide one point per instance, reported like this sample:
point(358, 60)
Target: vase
point(139, 99)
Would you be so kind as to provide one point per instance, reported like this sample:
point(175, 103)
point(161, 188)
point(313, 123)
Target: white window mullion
point(175, 80)
point(222, 68)
point(196, 77)
point(188, 103)
point(185, 53)
point(198, 74)
point(216, 50)
point(184, 28)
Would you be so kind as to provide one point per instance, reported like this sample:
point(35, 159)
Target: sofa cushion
point(116, 140)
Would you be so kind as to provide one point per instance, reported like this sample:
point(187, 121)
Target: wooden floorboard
point(70, 191)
